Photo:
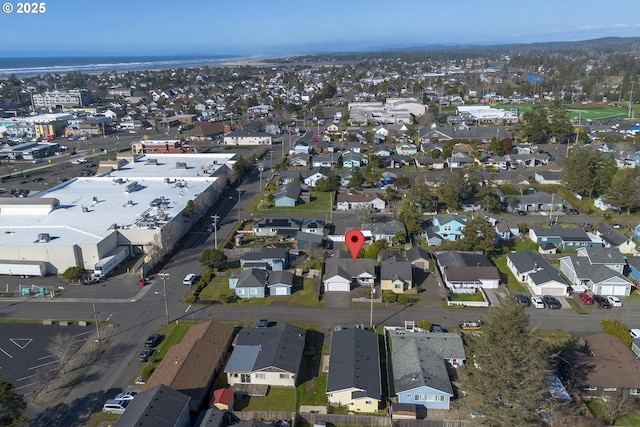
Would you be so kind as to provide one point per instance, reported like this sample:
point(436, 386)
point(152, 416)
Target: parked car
point(537, 302)
point(635, 333)
point(36, 161)
point(522, 299)
point(436, 328)
point(113, 406)
point(153, 340)
point(614, 301)
point(602, 301)
point(146, 354)
point(189, 279)
point(552, 302)
point(263, 323)
point(127, 395)
point(586, 299)
point(522, 213)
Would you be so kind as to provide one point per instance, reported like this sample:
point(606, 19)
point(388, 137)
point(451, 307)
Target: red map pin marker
point(354, 241)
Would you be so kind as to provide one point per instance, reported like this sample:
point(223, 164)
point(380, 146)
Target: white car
point(614, 301)
point(127, 395)
point(537, 302)
point(635, 333)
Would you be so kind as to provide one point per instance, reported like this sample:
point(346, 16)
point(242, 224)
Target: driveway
point(337, 299)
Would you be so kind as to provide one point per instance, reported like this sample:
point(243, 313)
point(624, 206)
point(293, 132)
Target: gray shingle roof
point(527, 261)
point(417, 253)
point(611, 235)
point(280, 347)
point(392, 269)
point(602, 255)
point(463, 259)
point(355, 362)
point(156, 407)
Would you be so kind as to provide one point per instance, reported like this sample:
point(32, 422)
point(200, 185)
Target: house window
point(634, 391)
point(589, 388)
point(367, 402)
point(240, 291)
point(420, 397)
point(260, 376)
point(609, 389)
point(398, 286)
point(284, 376)
point(254, 291)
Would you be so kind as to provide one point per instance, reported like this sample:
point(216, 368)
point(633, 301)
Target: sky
point(283, 27)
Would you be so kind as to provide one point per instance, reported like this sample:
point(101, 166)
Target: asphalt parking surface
point(24, 355)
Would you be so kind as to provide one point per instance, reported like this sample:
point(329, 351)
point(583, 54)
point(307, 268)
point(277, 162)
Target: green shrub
point(389, 296)
point(147, 371)
point(615, 328)
point(425, 325)
point(73, 274)
point(405, 299)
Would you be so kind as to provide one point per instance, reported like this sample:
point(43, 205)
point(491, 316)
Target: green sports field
point(595, 112)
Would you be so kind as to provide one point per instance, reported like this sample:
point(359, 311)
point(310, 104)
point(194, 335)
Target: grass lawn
point(313, 392)
point(582, 111)
point(507, 277)
point(278, 399)
point(319, 203)
point(307, 296)
point(526, 244)
point(467, 297)
point(218, 286)
point(557, 340)
point(595, 406)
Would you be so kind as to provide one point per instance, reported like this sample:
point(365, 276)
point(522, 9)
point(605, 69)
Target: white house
point(350, 199)
point(243, 137)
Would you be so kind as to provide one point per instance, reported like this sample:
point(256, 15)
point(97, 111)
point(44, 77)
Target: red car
point(586, 299)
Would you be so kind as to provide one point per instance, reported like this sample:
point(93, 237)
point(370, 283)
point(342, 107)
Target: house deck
point(250, 389)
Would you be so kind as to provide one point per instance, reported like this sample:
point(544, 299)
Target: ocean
point(63, 65)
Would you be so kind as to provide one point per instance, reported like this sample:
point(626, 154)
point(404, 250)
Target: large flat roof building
point(140, 205)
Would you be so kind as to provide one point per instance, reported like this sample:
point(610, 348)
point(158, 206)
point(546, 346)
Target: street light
point(164, 276)
point(215, 219)
point(239, 193)
point(373, 294)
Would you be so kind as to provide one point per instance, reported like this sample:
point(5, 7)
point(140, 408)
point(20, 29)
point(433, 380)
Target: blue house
point(287, 195)
point(354, 160)
point(565, 238)
point(634, 267)
point(250, 283)
point(280, 283)
point(449, 226)
point(419, 363)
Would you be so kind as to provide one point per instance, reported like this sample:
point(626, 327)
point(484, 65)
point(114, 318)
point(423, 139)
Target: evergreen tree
point(510, 369)
point(624, 191)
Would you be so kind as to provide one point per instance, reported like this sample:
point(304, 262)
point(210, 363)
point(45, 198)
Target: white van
point(189, 279)
point(113, 406)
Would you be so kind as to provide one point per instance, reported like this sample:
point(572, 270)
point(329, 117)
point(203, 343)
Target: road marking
point(44, 357)
point(21, 342)
point(188, 308)
point(10, 356)
point(24, 386)
point(24, 378)
point(40, 366)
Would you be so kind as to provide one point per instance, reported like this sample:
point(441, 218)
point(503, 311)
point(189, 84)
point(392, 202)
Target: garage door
point(606, 290)
point(281, 290)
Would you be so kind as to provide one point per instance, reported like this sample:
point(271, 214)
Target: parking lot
point(24, 357)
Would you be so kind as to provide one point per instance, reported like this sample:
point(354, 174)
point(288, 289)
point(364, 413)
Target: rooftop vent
point(85, 209)
point(118, 181)
point(44, 237)
point(181, 165)
point(152, 162)
point(131, 187)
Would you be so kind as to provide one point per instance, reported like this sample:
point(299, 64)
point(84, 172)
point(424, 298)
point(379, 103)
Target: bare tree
point(617, 405)
point(62, 347)
point(522, 187)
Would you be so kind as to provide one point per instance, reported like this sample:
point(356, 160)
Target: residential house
point(539, 202)
point(302, 148)
point(280, 283)
point(419, 362)
point(300, 160)
point(460, 160)
point(306, 240)
point(465, 272)
point(597, 272)
point(430, 162)
point(324, 160)
point(287, 195)
point(604, 367)
point(288, 176)
point(565, 238)
point(382, 152)
point(548, 177)
point(449, 226)
point(612, 238)
point(266, 258)
point(341, 273)
point(397, 161)
point(157, 403)
point(316, 175)
point(396, 275)
point(267, 356)
point(250, 283)
point(418, 257)
point(354, 379)
point(192, 365)
point(464, 132)
point(634, 268)
point(533, 269)
point(351, 159)
point(406, 149)
point(274, 226)
point(348, 200)
point(385, 230)
point(503, 230)
point(244, 137)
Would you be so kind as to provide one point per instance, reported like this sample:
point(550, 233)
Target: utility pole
point(373, 293)
point(215, 219)
point(164, 276)
point(630, 99)
point(95, 315)
point(260, 169)
point(239, 192)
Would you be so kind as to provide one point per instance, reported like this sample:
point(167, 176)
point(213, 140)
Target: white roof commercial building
point(140, 206)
